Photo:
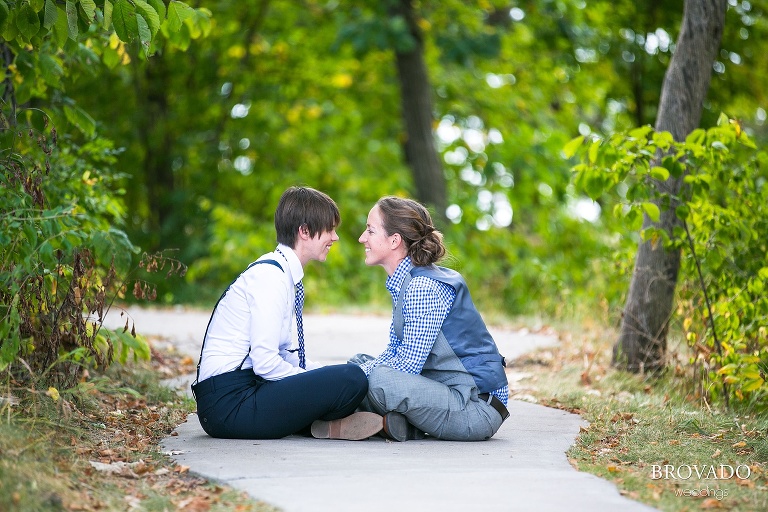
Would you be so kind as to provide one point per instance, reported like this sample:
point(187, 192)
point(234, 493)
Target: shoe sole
point(397, 428)
point(355, 427)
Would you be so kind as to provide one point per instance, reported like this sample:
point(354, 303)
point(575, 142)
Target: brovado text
point(704, 472)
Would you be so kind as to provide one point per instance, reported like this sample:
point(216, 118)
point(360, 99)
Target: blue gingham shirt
point(425, 306)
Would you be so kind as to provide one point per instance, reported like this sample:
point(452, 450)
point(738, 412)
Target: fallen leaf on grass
point(194, 504)
point(622, 416)
point(740, 444)
point(712, 503)
point(134, 502)
point(716, 454)
point(125, 469)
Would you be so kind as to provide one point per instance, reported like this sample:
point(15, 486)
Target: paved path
point(523, 467)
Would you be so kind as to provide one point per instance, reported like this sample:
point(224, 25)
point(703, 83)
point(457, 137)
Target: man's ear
point(304, 232)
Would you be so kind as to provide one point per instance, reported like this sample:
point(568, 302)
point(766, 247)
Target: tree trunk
point(416, 103)
point(642, 340)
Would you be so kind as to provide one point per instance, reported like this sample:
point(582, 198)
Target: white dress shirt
point(256, 317)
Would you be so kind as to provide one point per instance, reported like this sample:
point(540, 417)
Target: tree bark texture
point(416, 103)
point(642, 340)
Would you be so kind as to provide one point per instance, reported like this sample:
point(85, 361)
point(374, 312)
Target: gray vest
point(464, 352)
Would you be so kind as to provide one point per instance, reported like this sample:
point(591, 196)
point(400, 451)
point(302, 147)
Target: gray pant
point(446, 412)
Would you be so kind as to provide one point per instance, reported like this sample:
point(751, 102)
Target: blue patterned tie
point(299, 305)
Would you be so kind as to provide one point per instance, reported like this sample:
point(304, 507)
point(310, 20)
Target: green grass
point(646, 432)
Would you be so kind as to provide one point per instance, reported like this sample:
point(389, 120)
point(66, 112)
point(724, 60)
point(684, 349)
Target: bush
point(723, 213)
point(62, 253)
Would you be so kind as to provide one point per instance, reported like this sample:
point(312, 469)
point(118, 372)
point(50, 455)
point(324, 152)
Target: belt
point(495, 403)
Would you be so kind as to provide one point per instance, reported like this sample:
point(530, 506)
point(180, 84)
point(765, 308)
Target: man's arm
point(268, 299)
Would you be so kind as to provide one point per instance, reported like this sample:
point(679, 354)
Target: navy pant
point(242, 405)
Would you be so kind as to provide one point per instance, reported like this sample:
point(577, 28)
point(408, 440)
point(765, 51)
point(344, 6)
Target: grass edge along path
point(95, 447)
point(653, 437)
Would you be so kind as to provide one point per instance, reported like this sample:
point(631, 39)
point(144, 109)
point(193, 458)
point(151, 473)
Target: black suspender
point(199, 362)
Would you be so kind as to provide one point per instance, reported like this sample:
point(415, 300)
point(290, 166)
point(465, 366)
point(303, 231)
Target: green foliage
point(43, 42)
point(46, 25)
point(277, 96)
point(722, 212)
point(61, 211)
point(61, 253)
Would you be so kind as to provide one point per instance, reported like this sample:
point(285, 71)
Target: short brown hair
point(299, 206)
point(412, 221)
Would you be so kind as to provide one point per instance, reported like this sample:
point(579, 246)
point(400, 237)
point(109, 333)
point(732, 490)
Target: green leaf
point(594, 186)
point(178, 13)
point(641, 133)
point(159, 7)
point(696, 137)
point(150, 16)
point(652, 211)
point(4, 13)
point(81, 119)
point(570, 149)
point(722, 119)
point(682, 212)
point(50, 69)
point(203, 21)
point(752, 385)
point(27, 21)
point(727, 369)
point(593, 149)
point(124, 20)
point(145, 34)
point(30, 231)
point(89, 8)
point(37, 5)
point(61, 28)
point(664, 140)
point(51, 14)
point(9, 30)
point(673, 165)
point(72, 20)
point(107, 14)
point(756, 286)
point(659, 173)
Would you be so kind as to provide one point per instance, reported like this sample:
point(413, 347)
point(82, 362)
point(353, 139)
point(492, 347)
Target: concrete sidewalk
point(523, 467)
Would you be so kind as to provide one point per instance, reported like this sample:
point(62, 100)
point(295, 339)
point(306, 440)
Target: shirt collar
point(294, 265)
point(395, 281)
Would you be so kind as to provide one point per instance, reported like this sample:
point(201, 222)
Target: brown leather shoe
point(398, 428)
point(355, 427)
